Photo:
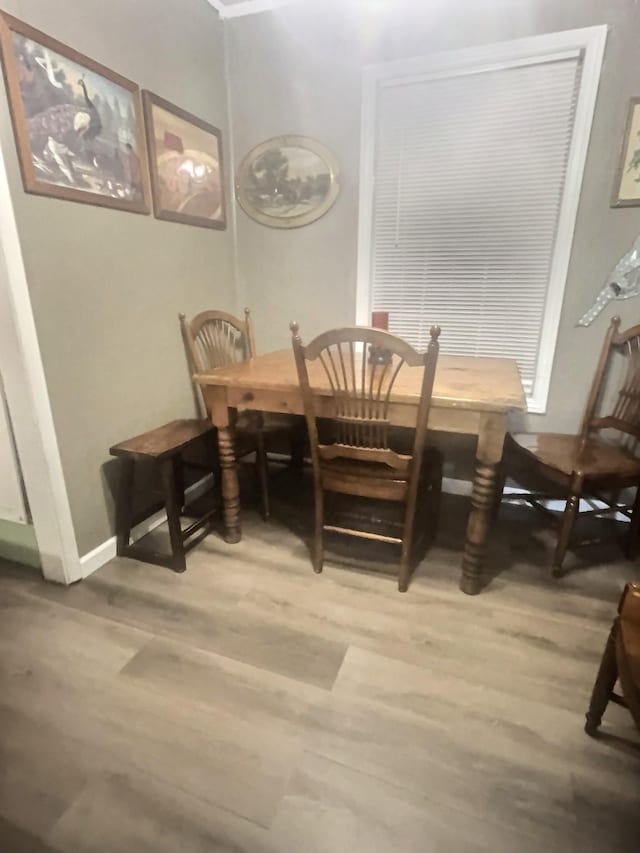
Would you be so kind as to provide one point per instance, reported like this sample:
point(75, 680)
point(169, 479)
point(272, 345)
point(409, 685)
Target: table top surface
point(467, 382)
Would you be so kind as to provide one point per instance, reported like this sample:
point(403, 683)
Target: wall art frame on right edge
point(626, 190)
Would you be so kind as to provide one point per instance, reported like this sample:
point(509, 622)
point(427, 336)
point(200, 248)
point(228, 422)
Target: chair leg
point(263, 474)
point(634, 528)
point(604, 684)
point(566, 528)
point(168, 470)
point(404, 573)
point(318, 536)
point(405, 568)
point(435, 496)
point(123, 506)
point(434, 486)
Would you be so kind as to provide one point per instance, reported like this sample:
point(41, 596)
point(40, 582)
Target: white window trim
point(592, 41)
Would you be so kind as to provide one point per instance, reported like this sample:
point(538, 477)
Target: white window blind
point(469, 171)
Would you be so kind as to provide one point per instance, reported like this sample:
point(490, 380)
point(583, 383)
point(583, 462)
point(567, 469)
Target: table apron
point(444, 418)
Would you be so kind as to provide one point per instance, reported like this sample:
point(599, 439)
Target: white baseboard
point(106, 551)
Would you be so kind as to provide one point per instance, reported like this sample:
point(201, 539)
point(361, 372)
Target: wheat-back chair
point(216, 339)
point(352, 449)
point(599, 462)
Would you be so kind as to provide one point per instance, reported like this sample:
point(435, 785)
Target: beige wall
point(298, 70)
point(106, 286)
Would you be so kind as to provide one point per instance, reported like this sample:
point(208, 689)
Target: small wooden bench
point(165, 445)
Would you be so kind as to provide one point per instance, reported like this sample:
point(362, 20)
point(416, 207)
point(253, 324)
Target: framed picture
point(626, 191)
point(288, 181)
point(78, 126)
point(186, 165)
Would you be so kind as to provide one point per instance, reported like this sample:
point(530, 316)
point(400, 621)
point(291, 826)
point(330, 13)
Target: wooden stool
point(164, 445)
point(620, 663)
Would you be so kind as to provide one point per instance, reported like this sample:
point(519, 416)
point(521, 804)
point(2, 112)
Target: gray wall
point(106, 285)
point(298, 70)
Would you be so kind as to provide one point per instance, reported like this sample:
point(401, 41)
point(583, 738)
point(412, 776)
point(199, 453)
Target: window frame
point(591, 42)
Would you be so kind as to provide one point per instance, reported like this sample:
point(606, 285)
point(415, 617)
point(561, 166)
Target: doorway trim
point(29, 406)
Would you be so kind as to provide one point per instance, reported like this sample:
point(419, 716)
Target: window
point(471, 170)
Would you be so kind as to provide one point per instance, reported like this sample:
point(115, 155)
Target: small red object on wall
point(380, 320)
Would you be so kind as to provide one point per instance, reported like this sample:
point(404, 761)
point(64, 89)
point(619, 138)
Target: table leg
point(488, 458)
point(216, 400)
point(230, 485)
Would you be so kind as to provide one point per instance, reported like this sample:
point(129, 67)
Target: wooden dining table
point(473, 396)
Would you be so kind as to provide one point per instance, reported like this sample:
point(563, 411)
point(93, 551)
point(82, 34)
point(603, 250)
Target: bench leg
point(605, 682)
point(178, 473)
point(169, 468)
point(123, 507)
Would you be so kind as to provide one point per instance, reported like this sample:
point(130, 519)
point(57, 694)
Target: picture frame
point(186, 164)
point(626, 189)
point(288, 181)
point(78, 125)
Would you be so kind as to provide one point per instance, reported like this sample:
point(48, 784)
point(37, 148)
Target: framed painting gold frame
point(278, 211)
point(33, 183)
point(161, 210)
point(626, 190)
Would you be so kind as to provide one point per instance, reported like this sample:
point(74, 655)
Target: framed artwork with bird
point(78, 126)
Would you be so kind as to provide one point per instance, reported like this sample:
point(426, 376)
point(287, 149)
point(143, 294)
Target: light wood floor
point(249, 705)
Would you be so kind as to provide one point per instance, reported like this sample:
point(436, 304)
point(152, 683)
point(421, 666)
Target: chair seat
point(364, 470)
point(562, 453)
point(163, 441)
point(371, 479)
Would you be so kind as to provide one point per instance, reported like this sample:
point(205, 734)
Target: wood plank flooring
point(250, 705)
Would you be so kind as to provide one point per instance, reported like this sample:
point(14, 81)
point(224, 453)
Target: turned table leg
point(230, 485)
point(483, 495)
point(216, 400)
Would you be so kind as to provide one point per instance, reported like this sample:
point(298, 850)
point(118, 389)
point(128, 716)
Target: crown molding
point(247, 7)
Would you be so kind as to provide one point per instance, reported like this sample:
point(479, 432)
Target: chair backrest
point(625, 415)
point(356, 394)
point(216, 339)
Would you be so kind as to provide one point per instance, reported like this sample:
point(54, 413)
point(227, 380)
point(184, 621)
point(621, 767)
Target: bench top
point(163, 441)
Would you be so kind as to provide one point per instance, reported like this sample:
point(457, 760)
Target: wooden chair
point(620, 662)
point(590, 465)
point(216, 339)
point(356, 457)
